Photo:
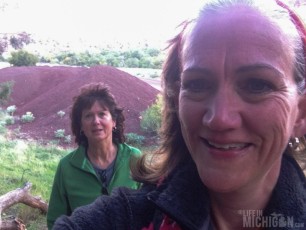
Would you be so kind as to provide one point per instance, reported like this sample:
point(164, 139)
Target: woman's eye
point(196, 85)
point(87, 116)
point(257, 86)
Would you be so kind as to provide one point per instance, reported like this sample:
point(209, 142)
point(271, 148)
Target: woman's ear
point(300, 123)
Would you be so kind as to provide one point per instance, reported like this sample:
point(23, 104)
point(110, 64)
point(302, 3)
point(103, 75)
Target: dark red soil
point(46, 90)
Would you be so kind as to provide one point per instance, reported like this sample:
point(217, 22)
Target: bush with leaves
point(5, 91)
point(27, 117)
point(9, 120)
point(151, 118)
point(67, 139)
point(11, 109)
point(138, 58)
point(61, 113)
point(134, 139)
point(2, 123)
point(23, 58)
point(60, 133)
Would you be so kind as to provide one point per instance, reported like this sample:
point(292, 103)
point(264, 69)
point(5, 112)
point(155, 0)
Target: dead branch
point(20, 195)
point(15, 224)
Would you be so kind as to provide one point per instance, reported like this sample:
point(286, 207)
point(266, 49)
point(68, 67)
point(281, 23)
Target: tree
point(151, 118)
point(23, 58)
point(297, 3)
point(16, 41)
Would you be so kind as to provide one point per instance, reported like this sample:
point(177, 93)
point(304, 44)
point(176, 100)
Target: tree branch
point(20, 195)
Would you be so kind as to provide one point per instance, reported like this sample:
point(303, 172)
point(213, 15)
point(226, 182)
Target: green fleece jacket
point(76, 182)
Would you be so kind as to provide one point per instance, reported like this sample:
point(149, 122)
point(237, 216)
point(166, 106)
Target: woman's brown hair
point(89, 94)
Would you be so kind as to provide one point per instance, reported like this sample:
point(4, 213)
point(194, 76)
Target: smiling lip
point(226, 150)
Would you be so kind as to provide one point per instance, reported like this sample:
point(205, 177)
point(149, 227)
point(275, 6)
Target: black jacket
point(181, 198)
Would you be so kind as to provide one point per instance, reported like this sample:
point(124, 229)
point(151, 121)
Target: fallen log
point(19, 195)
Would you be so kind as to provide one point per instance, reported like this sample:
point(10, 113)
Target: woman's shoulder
point(78, 152)
point(291, 166)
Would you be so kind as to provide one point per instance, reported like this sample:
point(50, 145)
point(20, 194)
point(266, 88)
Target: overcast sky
point(97, 22)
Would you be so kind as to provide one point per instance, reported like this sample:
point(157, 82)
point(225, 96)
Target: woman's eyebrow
point(241, 69)
point(258, 67)
point(198, 70)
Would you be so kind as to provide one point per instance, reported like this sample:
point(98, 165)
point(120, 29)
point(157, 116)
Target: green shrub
point(3, 128)
point(9, 120)
point(151, 118)
point(11, 109)
point(22, 58)
point(61, 113)
point(134, 139)
point(154, 75)
point(28, 117)
point(5, 91)
point(67, 139)
point(60, 133)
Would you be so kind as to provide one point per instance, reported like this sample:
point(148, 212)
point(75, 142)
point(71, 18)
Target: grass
point(29, 161)
point(22, 162)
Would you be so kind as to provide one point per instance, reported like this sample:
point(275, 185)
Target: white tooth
point(226, 146)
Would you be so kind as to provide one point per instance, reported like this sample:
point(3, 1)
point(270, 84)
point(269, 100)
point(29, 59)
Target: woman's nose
point(95, 119)
point(223, 111)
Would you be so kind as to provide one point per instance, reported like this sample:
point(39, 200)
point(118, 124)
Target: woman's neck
point(230, 209)
point(102, 155)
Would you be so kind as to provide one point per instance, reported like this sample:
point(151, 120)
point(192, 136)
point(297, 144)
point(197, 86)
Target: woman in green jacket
point(102, 160)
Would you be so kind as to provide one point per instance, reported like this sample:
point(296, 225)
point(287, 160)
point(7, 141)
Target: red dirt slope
point(46, 90)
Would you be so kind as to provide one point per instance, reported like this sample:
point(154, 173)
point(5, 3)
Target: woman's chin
point(223, 183)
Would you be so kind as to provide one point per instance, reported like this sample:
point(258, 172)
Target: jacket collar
point(78, 158)
point(289, 196)
point(177, 195)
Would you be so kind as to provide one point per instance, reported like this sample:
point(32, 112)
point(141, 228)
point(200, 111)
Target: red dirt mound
point(46, 90)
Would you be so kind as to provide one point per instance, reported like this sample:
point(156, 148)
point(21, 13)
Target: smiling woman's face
point(238, 102)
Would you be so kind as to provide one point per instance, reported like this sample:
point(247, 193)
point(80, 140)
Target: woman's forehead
point(241, 31)
point(241, 20)
point(96, 103)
